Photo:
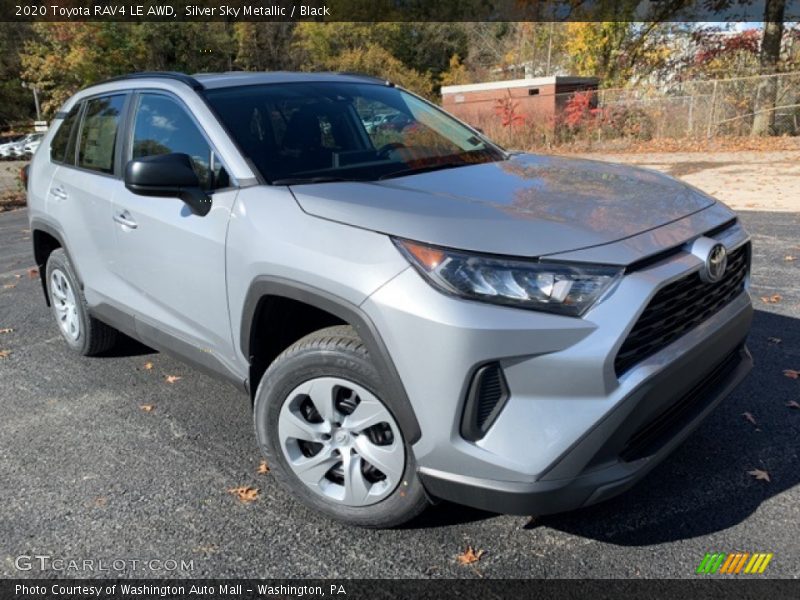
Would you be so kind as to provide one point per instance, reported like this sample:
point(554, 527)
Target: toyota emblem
point(716, 263)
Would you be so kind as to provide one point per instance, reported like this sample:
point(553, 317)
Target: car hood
point(526, 206)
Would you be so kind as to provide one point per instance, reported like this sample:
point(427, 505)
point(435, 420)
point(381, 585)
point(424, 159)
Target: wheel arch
point(261, 296)
point(46, 238)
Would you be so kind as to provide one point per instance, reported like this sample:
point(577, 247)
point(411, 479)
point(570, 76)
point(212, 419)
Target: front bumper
point(572, 432)
point(628, 443)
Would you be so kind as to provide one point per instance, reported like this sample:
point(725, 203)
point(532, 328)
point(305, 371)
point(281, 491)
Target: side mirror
point(168, 175)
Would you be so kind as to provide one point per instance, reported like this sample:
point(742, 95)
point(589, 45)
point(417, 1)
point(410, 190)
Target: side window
point(98, 137)
point(162, 126)
point(62, 147)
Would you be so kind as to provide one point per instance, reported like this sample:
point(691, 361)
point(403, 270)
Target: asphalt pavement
point(87, 474)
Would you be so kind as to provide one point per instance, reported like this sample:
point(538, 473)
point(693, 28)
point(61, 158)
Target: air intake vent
point(487, 395)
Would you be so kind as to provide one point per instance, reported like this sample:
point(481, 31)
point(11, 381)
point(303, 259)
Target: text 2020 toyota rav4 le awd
point(416, 313)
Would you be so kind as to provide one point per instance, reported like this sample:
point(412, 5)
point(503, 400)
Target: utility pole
point(35, 99)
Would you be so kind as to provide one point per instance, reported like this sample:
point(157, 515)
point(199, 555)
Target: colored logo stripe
point(733, 563)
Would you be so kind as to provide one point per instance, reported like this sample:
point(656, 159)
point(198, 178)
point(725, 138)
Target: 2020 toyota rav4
point(416, 313)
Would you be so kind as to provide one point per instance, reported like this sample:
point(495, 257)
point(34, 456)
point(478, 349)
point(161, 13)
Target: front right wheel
point(329, 437)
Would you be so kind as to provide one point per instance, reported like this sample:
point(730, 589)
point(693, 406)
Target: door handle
point(59, 192)
point(124, 218)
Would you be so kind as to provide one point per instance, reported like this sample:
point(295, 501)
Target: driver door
point(170, 260)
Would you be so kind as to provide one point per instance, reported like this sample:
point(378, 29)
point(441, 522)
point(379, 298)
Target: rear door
point(84, 183)
point(171, 260)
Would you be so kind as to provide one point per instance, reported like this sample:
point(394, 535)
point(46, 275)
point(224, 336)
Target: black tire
point(94, 336)
point(331, 352)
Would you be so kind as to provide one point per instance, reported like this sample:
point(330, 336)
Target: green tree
point(186, 47)
point(264, 46)
point(16, 102)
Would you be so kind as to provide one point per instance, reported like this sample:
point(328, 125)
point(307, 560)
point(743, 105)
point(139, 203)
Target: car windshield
point(312, 132)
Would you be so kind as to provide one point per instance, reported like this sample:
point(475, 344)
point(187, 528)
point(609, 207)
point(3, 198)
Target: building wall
point(537, 102)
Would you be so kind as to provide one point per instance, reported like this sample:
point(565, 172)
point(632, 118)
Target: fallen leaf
point(793, 404)
point(33, 273)
point(9, 286)
point(147, 407)
point(172, 378)
point(759, 474)
point(469, 556)
point(748, 416)
point(789, 258)
point(245, 493)
point(774, 299)
point(774, 340)
point(7, 330)
point(5, 353)
point(147, 366)
point(100, 501)
point(263, 468)
point(791, 373)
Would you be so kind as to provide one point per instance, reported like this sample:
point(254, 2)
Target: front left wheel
point(330, 438)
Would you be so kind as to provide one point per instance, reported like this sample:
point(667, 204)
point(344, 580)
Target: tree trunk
point(767, 94)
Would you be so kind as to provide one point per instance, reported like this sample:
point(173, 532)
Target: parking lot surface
point(88, 473)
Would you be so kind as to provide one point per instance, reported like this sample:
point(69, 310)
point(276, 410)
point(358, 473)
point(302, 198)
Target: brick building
point(539, 98)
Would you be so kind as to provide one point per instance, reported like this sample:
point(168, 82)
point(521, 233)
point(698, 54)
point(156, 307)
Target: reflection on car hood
point(526, 206)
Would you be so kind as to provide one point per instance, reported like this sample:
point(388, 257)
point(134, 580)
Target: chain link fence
point(728, 107)
point(766, 105)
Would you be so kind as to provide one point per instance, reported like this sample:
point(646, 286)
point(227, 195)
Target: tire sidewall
point(58, 260)
point(277, 383)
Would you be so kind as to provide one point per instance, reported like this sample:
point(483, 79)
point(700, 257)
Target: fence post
point(713, 109)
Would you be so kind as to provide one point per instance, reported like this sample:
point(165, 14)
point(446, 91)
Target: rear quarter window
point(98, 136)
point(62, 148)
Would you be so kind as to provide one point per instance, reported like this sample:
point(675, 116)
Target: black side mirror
point(168, 175)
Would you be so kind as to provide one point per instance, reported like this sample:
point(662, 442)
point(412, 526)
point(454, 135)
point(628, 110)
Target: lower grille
point(680, 307)
point(649, 438)
point(487, 394)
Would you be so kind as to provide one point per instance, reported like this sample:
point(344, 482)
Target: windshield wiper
point(402, 172)
point(304, 180)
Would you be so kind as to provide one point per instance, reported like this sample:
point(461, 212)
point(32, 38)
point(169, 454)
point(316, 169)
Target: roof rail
point(182, 77)
point(365, 76)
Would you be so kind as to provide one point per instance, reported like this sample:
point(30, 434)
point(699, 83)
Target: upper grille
point(679, 307)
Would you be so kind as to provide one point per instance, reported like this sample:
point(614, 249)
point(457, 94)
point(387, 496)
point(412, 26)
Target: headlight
point(559, 288)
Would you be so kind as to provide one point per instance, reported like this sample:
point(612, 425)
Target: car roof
point(209, 81)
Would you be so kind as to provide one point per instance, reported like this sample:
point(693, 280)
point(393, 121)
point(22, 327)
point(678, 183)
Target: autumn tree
point(375, 60)
point(62, 58)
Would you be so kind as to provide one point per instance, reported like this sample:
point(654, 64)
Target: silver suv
point(416, 313)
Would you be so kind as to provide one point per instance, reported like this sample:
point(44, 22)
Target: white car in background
point(17, 148)
point(7, 149)
point(27, 146)
point(29, 149)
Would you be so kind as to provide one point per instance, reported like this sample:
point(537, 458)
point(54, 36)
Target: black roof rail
point(182, 77)
point(365, 76)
